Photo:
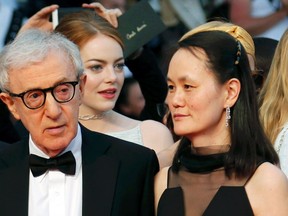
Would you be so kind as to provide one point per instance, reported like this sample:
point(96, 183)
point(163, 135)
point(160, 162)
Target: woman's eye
point(119, 66)
point(96, 67)
point(170, 87)
point(187, 86)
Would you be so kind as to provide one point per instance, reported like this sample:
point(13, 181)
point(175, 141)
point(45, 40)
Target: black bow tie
point(65, 163)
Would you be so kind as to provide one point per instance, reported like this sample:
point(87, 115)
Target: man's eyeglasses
point(35, 98)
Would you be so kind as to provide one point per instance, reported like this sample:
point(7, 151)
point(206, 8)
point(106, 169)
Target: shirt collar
point(74, 147)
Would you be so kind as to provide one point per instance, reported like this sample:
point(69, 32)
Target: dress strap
point(259, 164)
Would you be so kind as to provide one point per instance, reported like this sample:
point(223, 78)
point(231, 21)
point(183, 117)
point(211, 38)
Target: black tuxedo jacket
point(4, 145)
point(117, 177)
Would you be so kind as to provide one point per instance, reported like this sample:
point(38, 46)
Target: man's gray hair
point(33, 46)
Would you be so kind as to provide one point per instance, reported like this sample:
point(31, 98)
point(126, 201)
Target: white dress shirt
point(281, 147)
point(55, 193)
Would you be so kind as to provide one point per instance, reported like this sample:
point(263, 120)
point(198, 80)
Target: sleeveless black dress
point(204, 189)
point(229, 201)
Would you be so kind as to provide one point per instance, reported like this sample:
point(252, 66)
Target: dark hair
point(264, 53)
point(123, 96)
point(227, 59)
point(123, 99)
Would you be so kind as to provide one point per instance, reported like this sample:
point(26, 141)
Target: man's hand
point(110, 15)
point(40, 20)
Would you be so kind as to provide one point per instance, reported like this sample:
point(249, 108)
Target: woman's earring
point(228, 116)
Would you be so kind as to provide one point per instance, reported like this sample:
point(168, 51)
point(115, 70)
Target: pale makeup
point(104, 67)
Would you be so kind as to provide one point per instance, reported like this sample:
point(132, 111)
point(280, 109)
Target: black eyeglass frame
point(51, 89)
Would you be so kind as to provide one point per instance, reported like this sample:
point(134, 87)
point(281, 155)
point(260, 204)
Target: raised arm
point(110, 15)
point(240, 14)
point(40, 20)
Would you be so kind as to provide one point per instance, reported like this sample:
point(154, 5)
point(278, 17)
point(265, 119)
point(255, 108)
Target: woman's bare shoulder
point(268, 190)
point(156, 135)
point(166, 156)
point(155, 127)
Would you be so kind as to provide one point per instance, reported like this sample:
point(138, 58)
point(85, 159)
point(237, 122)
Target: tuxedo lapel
point(15, 182)
point(99, 174)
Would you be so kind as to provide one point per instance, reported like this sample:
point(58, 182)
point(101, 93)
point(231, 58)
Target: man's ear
point(233, 87)
point(6, 98)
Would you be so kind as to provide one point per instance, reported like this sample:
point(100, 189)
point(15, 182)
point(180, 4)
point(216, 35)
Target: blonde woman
point(273, 100)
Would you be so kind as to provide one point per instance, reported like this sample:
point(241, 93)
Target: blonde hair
point(273, 98)
point(234, 30)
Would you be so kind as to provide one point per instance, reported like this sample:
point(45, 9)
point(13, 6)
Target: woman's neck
point(99, 122)
point(213, 142)
point(211, 149)
point(89, 117)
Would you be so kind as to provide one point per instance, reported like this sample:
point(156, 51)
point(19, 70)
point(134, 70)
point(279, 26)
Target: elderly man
point(63, 168)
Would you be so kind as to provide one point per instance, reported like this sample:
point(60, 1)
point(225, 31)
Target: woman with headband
point(239, 34)
point(224, 162)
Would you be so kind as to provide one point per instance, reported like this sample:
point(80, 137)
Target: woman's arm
point(40, 20)
point(240, 14)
